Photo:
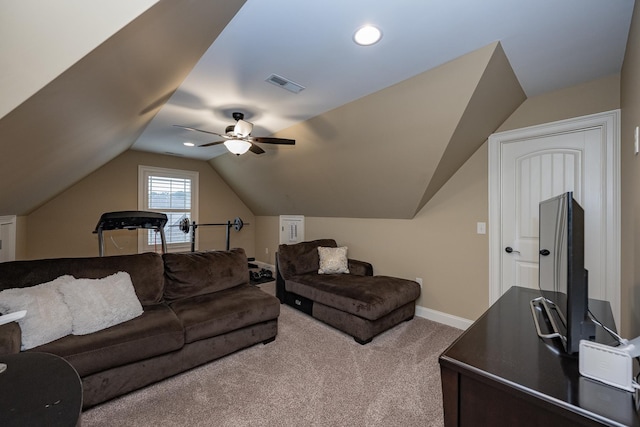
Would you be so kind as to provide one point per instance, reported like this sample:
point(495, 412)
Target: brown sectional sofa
point(358, 303)
point(197, 307)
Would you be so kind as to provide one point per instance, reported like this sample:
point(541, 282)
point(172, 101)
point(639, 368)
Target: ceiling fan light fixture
point(237, 146)
point(367, 35)
point(242, 128)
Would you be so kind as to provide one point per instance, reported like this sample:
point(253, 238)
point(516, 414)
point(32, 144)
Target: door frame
point(9, 246)
point(609, 124)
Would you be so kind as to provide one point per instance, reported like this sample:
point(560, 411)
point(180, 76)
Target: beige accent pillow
point(333, 260)
point(48, 317)
point(97, 304)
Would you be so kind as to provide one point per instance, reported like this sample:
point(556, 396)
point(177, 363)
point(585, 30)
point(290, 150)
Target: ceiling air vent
point(285, 83)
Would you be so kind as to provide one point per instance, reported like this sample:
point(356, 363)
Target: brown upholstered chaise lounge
point(358, 303)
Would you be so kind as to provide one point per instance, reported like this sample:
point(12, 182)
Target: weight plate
point(183, 225)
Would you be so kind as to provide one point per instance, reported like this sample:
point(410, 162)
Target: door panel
point(7, 238)
point(538, 169)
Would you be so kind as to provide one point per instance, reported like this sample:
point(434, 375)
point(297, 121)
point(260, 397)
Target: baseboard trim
point(444, 318)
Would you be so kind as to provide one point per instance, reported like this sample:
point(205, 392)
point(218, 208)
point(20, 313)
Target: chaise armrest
point(10, 338)
point(360, 268)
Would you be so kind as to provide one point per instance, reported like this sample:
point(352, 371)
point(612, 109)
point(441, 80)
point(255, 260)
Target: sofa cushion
point(333, 260)
point(197, 273)
point(48, 317)
point(301, 258)
point(157, 331)
point(217, 313)
point(97, 304)
point(146, 271)
point(369, 297)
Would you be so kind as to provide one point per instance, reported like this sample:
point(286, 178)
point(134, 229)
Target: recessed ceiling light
point(188, 144)
point(367, 35)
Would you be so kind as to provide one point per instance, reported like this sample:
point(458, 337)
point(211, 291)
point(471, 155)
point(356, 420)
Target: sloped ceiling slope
point(98, 107)
point(496, 97)
point(377, 156)
point(39, 40)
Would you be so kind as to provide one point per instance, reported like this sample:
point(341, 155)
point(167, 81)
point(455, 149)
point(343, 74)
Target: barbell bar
point(187, 226)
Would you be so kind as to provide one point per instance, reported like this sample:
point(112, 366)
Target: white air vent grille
point(285, 83)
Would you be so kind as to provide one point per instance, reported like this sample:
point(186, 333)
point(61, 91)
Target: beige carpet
point(311, 375)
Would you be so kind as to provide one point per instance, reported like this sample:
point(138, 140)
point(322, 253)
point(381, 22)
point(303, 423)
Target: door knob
point(544, 252)
point(510, 250)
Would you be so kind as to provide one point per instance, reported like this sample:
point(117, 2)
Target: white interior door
point(533, 164)
point(536, 170)
point(7, 238)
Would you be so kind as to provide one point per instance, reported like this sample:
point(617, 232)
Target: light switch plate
point(481, 228)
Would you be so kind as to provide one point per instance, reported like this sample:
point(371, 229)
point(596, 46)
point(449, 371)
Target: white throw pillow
point(333, 260)
point(48, 317)
point(97, 304)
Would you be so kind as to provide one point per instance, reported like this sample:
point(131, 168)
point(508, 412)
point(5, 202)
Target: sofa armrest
point(10, 338)
point(360, 268)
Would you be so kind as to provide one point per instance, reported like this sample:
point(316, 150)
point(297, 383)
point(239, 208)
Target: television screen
point(562, 277)
point(553, 260)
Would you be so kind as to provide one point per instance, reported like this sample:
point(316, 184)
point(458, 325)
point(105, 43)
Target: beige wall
point(630, 183)
point(575, 101)
point(63, 226)
point(440, 243)
point(21, 237)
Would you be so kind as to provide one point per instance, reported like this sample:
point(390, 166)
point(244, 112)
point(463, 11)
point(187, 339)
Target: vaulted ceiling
point(378, 131)
point(97, 108)
point(386, 154)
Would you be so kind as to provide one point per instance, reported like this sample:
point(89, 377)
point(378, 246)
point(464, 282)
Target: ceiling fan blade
point(268, 140)
point(243, 128)
point(211, 143)
point(255, 149)
point(198, 130)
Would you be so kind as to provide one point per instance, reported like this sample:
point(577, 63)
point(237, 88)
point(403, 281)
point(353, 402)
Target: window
point(174, 193)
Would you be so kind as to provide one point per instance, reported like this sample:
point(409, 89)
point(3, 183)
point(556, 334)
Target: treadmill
point(131, 220)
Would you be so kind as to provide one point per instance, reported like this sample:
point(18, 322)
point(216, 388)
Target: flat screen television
point(563, 280)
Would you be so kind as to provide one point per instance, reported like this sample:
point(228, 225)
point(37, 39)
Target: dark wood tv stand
point(499, 373)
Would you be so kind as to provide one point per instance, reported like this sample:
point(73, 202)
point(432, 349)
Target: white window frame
point(143, 174)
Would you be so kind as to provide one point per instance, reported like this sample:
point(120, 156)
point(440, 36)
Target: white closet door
point(7, 238)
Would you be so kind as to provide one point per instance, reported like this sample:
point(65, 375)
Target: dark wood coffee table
point(39, 389)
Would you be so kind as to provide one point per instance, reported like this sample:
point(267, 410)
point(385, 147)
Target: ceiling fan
point(238, 139)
